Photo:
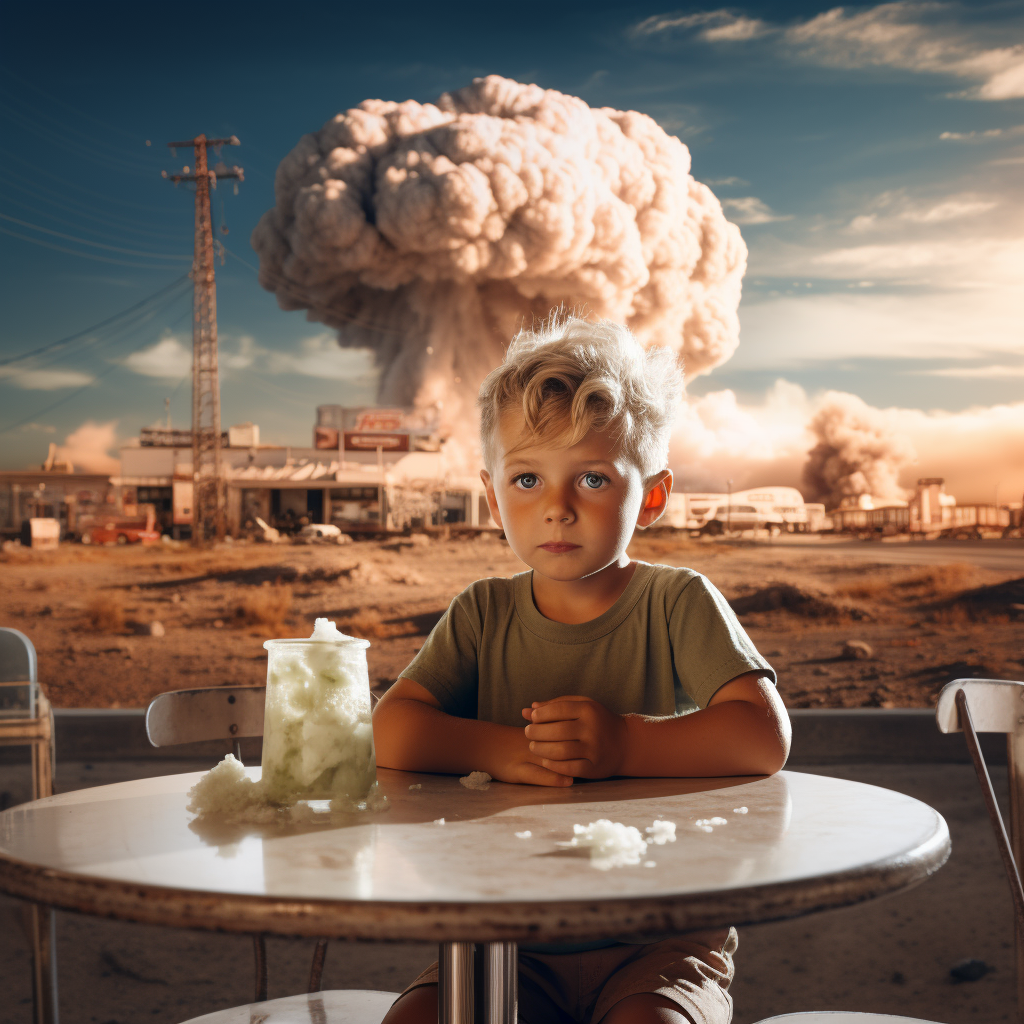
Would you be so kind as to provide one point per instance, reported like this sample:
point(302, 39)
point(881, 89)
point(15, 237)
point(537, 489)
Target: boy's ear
point(656, 500)
point(492, 501)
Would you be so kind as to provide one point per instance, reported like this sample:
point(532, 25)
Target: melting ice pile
point(614, 845)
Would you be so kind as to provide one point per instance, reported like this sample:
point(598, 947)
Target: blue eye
point(527, 481)
point(593, 480)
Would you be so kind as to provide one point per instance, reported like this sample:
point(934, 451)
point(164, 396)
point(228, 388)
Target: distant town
point(376, 471)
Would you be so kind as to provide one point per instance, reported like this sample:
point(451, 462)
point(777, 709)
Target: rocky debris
point(969, 970)
point(996, 601)
point(790, 598)
point(154, 628)
point(857, 650)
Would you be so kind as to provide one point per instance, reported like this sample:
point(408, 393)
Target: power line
point(120, 331)
point(85, 387)
point(98, 245)
point(95, 327)
point(85, 255)
point(79, 209)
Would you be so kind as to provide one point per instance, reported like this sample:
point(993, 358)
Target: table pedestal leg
point(455, 983)
point(478, 984)
point(500, 970)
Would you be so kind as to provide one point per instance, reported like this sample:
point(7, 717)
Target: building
point(369, 470)
point(54, 491)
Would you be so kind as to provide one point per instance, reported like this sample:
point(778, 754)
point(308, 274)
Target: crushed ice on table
point(227, 793)
point(524, 835)
point(476, 780)
point(612, 844)
point(439, 821)
point(710, 824)
point(416, 785)
point(739, 810)
point(661, 832)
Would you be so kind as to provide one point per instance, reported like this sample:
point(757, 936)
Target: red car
point(115, 529)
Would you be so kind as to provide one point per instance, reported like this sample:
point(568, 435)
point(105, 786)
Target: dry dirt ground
point(91, 612)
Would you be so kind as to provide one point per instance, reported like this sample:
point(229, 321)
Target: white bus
point(773, 508)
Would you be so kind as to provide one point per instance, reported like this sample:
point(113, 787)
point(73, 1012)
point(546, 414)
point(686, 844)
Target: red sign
point(367, 442)
point(325, 437)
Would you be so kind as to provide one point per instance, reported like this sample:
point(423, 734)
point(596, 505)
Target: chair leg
point(316, 971)
point(44, 965)
point(259, 948)
point(42, 769)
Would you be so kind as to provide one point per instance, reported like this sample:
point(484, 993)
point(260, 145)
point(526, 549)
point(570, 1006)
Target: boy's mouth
point(559, 547)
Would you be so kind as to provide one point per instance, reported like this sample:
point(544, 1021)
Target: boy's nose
point(559, 514)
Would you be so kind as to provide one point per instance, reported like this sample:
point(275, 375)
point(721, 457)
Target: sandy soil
point(89, 612)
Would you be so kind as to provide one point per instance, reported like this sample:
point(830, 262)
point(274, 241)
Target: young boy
point(601, 657)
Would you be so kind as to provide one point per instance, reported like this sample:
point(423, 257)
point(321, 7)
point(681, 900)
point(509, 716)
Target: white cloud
point(750, 210)
point(88, 448)
point(322, 356)
point(717, 438)
point(46, 380)
point(168, 359)
point(42, 428)
point(717, 182)
point(243, 356)
point(807, 328)
point(995, 372)
point(983, 136)
point(712, 25)
point(909, 35)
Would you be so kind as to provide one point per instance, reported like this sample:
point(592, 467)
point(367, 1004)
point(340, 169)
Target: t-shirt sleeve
point(709, 646)
point(447, 663)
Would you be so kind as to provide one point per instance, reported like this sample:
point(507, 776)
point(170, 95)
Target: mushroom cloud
point(431, 232)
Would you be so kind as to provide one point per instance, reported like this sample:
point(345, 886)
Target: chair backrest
point(17, 657)
point(997, 705)
point(210, 713)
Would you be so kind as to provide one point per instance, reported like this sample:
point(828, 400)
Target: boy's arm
point(412, 733)
point(744, 730)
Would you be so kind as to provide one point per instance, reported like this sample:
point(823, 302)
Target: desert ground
point(115, 626)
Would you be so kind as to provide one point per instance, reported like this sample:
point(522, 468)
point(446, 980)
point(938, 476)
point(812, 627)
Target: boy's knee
point(417, 1006)
point(646, 1008)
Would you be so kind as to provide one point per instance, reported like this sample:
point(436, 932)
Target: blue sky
point(872, 156)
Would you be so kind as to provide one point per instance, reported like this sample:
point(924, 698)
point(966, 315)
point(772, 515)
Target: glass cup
point(317, 736)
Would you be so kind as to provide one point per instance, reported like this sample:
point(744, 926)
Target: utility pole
point(208, 498)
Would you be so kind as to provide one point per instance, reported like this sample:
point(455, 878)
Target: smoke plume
point(88, 448)
point(431, 232)
point(858, 452)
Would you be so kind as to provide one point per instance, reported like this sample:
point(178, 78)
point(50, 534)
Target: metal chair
point(233, 713)
point(361, 1006)
point(972, 706)
point(29, 722)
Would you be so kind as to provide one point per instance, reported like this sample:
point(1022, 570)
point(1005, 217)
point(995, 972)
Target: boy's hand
point(576, 736)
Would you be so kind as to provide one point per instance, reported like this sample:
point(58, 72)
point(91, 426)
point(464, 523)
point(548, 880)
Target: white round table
point(806, 843)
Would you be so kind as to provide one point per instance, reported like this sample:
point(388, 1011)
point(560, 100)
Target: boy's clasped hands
point(575, 736)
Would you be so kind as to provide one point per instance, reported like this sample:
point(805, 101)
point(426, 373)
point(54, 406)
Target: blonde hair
point(572, 375)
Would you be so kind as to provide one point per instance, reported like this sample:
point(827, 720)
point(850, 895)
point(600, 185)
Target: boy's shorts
point(693, 970)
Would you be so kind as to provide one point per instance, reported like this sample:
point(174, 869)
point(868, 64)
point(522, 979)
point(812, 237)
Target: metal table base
point(477, 983)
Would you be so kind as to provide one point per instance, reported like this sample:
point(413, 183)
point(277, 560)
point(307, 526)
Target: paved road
point(1002, 555)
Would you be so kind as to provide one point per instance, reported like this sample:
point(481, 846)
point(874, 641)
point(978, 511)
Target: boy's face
point(568, 512)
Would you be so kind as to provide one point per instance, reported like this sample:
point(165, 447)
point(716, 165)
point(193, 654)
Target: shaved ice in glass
point(317, 736)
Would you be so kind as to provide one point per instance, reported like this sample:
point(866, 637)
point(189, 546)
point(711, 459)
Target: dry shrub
point(369, 625)
point(265, 608)
point(921, 585)
point(786, 597)
point(106, 611)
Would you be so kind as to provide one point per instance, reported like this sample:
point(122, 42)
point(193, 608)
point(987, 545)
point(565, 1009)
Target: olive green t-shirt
point(665, 647)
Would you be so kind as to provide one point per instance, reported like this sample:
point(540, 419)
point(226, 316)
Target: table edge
point(639, 918)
